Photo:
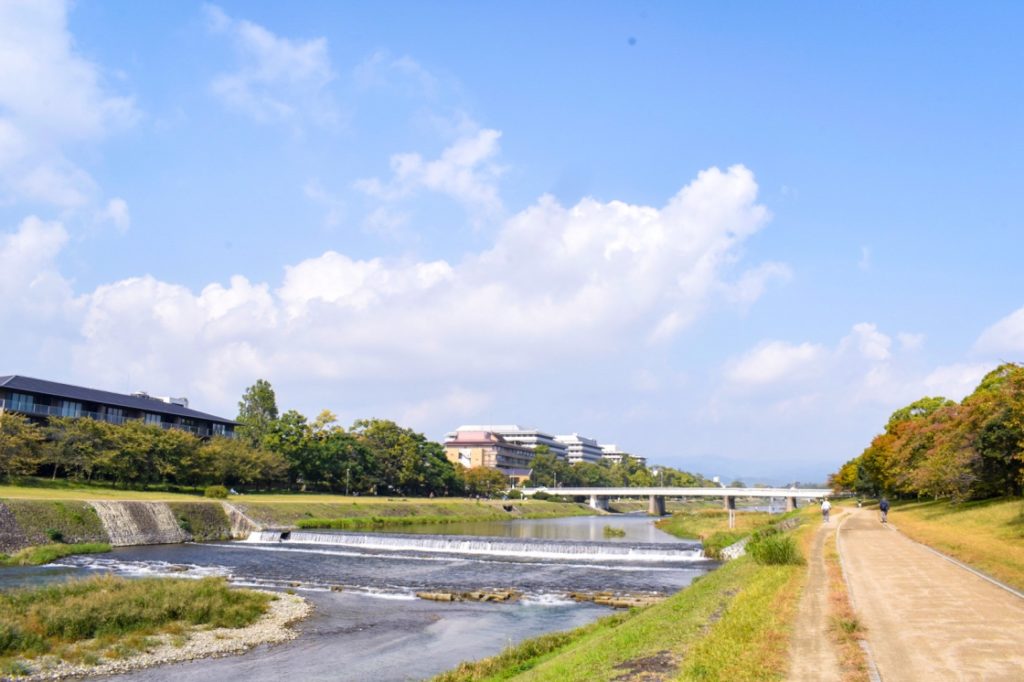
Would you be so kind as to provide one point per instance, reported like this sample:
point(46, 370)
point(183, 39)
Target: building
point(580, 448)
point(474, 449)
point(513, 433)
point(611, 453)
point(39, 400)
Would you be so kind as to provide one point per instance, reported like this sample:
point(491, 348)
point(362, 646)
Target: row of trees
point(281, 451)
point(939, 448)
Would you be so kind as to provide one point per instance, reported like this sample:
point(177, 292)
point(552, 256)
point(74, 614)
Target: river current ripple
point(368, 624)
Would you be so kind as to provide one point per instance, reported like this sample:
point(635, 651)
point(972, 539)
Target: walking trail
point(812, 654)
point(927, 618)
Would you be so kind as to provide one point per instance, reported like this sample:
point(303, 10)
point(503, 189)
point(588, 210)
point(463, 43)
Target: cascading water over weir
point(492, 546)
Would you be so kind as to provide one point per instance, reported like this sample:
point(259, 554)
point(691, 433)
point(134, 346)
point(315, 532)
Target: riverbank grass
point(44, 554)
point(105, 617)
point(988, 535)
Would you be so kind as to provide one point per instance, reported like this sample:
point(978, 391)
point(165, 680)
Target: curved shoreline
point(273, 627)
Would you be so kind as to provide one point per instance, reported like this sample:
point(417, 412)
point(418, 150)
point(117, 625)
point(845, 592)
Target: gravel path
point(927, 618)
point(271, 628)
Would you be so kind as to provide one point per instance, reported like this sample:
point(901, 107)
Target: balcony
point(36, 410)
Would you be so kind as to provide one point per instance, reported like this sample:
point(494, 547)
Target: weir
point(139, 523)
point(523, 548)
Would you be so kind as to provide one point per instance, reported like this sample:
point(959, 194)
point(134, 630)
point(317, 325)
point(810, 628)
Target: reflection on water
point(375, 628)
point(638, 528)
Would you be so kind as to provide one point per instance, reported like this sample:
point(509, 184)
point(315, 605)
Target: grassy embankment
point(988, 535)
point(321, 511)
point(732, 624)
point(44, 554)
point(711, 527)
point(100, 618)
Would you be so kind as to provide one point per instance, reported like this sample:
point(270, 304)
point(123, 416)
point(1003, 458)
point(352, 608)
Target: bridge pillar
point(656, 505)
point(598, 502)
point(790, 504)
point(730, 502)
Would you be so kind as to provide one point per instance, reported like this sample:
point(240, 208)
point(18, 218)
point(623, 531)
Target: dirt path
point(812, 654)
point(926, 618)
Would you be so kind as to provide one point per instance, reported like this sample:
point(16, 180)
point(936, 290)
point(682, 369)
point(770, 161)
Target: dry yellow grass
point(988, 535)
point(846, 629)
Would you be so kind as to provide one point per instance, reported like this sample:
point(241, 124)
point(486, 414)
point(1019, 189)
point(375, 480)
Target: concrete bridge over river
point(599, 496)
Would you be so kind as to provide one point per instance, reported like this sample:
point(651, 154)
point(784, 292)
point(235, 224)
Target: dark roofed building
point(39, 400)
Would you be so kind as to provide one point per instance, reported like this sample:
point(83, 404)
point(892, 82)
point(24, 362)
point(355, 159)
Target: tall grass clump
point(44, 619)
point(44, 554)
point(775, 549)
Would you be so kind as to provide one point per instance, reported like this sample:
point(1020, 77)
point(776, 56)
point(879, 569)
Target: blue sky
point(731, 237)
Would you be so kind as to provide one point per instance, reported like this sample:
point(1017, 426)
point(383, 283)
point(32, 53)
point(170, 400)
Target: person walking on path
point(826, 506)
point(884, 506)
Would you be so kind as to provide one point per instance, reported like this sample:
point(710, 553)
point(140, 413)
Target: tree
point(78, 445)
point(406, 463)
point(20, 445)
point(257, 410)
point(484, 481)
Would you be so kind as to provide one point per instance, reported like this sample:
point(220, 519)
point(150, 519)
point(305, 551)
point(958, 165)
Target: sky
point(730, 237)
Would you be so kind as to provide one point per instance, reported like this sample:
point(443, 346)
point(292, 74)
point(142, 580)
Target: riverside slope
point(927, 618)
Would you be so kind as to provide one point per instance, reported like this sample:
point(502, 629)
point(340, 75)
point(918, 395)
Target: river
point(369, 625)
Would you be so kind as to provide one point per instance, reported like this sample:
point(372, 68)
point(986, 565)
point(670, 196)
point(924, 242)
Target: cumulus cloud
point(1005, 336)
point(774, 361)
point(277, 79)
point(32, 285)
point(465, 171)
point(558, 282)
point(871, 343)
point(117, 214)
point(50, 97)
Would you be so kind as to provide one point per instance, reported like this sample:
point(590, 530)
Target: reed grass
point(111, 617)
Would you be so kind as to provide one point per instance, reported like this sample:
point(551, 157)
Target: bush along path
point(927, 618)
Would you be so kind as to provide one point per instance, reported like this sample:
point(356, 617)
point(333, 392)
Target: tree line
point(939, 448)
point(275, 451)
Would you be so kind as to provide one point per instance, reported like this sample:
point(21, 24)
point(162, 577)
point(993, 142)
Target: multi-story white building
point(580, 448)
point(513, 433)
point(611, 453)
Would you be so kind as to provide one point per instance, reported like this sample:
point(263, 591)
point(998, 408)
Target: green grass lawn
point(988, 535)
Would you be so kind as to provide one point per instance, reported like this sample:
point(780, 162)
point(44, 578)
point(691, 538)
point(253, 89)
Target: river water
point(369, 625)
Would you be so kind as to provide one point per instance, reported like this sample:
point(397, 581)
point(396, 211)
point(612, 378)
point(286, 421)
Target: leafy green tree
point(485, 482)
point(406, 462)
point(257, 411)
point(292, 437)
point(77, 445)
point(20, 445)
point(233, 463)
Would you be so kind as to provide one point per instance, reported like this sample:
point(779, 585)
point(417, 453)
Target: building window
point(22, 403)
point(115, 415)
point(153, 419)
point(70, 408)
point(219, 429)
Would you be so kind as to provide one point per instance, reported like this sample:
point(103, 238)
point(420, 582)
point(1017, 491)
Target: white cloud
point(909, 341)
point(774, 361)
point(334, 206)
point(1005, 336)
point(872, 344)
point(598, 277)
point(465, 171)
point(752, 285)
point(382, 70)
point(116, 212)
point(955, 381)
point(31, 286)
point(277, 79)
point(50, 97)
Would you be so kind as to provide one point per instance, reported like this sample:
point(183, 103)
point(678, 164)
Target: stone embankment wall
point(24, 523)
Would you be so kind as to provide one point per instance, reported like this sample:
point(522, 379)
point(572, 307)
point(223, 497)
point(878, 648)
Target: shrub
point(611, 532)
point(775, 549)
point(54, 535)
point(217, 492)
point(515, 494)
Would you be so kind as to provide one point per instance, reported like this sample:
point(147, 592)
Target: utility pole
point(348, 470)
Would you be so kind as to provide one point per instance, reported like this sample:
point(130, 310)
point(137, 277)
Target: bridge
point(599, 496)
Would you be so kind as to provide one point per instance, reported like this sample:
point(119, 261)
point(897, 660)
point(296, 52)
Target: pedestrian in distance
point(826, 507)
point(884, 506)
